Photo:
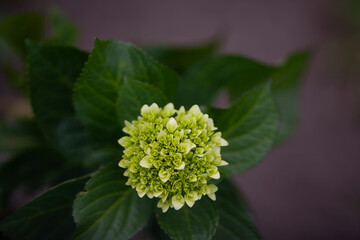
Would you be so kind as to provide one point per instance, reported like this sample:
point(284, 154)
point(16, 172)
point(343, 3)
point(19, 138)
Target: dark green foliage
point(52, 73)
point(30, 168)
point(238, 75)
point(16, 29)
point(28, 26)
point(109, 65)
point(48, 216)
point(203, 81)
point(135, 94)
point(63, 31)
point(81, 101)
point(286, 83)
point(196, 223)
point(249, 126)
point(108, 209)
point(20, 135)
point(234, 220)
point(181, 58)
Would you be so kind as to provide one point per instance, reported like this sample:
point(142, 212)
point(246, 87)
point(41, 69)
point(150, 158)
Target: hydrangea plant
point(113, 126)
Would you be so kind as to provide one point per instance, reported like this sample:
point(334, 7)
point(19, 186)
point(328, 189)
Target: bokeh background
point(308, 188)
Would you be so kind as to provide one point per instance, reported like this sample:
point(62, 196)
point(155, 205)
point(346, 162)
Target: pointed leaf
point(180, 58)
point(133, 95)
point(239, 74)
point(109, 209)
point(46, 217)
point(53, 71)
point(97, 90)
point(285, 88)
point(285, 84)
point(234, 221)
point(206, 78)
point(196, 223)
point(250, 128)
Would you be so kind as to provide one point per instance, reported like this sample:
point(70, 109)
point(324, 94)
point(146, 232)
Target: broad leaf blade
point(19, 135)
point(180, 58)
point(33, 169)
point(53, 71)
point(285, 85)
point(285, 88)
point(205, 79)
point(239, 74)
point(196, 223)
point(109, 209)
point(234, 221)
point(133, 95)
point(97, 90)
point(249, 126)
point(48, 216)
point(154, 230)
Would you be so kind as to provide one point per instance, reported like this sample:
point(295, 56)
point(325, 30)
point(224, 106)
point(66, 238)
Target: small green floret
point(172, 154)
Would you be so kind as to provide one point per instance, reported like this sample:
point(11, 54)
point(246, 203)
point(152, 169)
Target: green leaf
point(202, 82)
point(285, 87)
point(234, 221)
point(18, 27)
point(14, 29)
point(133, 95)
point(109, 209)
point(77, 145)
point(97, 90)
point(32, 169)
point(16, 77)
point(249, 126)
point(238, 75)
point(19, 135)
point(196, 223)
point(53, 71)
point(153, 229)
point(46, 217)
point(182, 57)
point(63, 31)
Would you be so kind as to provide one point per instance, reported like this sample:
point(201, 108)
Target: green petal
point(177, 201)
point(171, 125)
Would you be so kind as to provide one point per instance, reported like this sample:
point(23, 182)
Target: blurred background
point(309, 187)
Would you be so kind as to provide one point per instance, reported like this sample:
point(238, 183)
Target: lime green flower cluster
point(172, 154)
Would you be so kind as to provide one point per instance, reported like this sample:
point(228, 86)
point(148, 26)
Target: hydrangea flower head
point(172, 154)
